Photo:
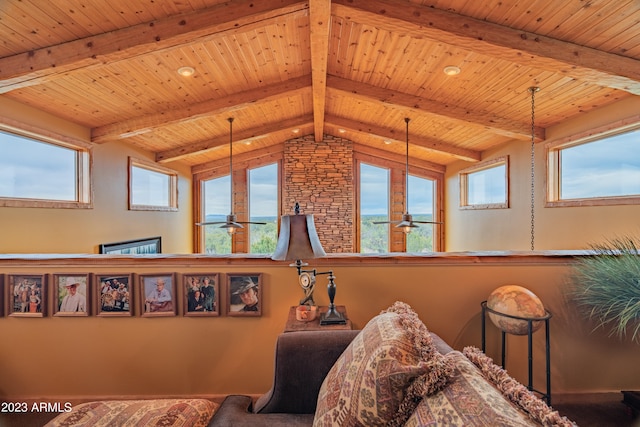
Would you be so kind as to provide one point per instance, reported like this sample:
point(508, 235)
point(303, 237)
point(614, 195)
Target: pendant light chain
point(533, 91)
point(230, 119)
point(406, 171)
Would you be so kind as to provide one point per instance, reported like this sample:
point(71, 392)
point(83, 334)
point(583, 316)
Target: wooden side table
point(294, 325)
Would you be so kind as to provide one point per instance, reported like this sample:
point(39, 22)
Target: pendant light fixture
point(231, 224)
point(407, 222)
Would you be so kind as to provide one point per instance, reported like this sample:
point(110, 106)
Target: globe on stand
point(514, 300)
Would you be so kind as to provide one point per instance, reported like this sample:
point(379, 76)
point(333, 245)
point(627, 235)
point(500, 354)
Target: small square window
point(485, 185)
point(152, 187)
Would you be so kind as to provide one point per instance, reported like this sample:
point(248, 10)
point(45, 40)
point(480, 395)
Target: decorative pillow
point(514, 391)
point(138, 413)
point(383, 373)
point(468, 400)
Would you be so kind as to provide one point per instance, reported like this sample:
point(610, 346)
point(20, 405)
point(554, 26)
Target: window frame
point(239, 241)
point(418, 168)
point(553, 166)
point(357, 244)
point(154, 167)
point(278, 198)
point(83, 175)
point(463, 179)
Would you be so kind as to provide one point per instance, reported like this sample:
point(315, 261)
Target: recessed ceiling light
point(387, 141)
point(295, 131)
point(341, 130)
point(186, 71)
point(451, 70)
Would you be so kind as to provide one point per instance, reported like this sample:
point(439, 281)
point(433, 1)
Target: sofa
point(392, 372)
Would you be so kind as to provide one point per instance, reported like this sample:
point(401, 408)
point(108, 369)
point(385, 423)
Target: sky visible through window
point(36, 170)
point(374, 190)
point(606, 168)
point(487, 186)
point(150, 188)
point(263, 194)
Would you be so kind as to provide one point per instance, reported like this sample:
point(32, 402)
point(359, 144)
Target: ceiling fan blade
point(385, 222)
point(428, 222)
point(210, 223)
point(251, 222)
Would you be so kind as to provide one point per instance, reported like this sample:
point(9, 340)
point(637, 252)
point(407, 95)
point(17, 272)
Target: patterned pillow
point(138, 413)
point(383, 373)
point(516, 392)
point(469, 400)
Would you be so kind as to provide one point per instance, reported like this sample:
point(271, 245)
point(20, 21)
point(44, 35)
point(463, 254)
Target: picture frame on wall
point(71, 294)
point(244, 291)
point(26, 295)
point(114, 294)
point(151, 245)
point(157, 294)
point(201, 294)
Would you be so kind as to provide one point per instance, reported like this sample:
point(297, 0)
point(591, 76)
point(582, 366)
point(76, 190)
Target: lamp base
point(332, 317)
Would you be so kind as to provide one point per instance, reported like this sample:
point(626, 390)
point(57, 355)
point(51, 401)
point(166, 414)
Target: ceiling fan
point(231, 224)
point(407, 222)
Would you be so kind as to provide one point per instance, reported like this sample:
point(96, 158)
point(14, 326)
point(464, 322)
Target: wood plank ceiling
point(349, 68)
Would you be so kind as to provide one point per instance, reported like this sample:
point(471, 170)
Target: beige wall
point(62, 357)
point(555, 227)
point(35, 230)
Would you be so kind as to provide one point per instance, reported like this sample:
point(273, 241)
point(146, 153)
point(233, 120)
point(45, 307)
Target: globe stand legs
point(545, 396)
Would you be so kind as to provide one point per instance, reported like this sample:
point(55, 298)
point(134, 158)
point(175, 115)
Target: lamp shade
point(298, 239)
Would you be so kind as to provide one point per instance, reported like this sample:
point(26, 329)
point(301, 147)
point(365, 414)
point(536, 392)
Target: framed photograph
point(113, 294)
point(71, 294)
point(201, 294)
point(244, 294)
point(151, 245)
point(26, 295)
point(157, 294)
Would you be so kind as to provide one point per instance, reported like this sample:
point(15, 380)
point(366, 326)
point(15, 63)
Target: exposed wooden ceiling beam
point(489, 122)
point(520, 47)
point(399, 158)
point(319, 18)
point(41, 65)
point(141, 125)
point(381, 132)
point(261, 131)
point(239, 159)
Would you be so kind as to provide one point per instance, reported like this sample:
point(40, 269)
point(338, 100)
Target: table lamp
point(299, 240)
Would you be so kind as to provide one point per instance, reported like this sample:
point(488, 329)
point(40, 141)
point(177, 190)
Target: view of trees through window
point(263, 207)
point(421, 204)
point(216, 194)
point(374, 206)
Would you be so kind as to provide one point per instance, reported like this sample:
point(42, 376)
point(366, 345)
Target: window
point(421, 207)
point(600, 171)
point(39, 173)
point(374, 206)
point(485, 185)
point(152, 187)
point(216, 197)
point(263, 207)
